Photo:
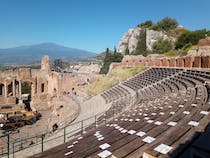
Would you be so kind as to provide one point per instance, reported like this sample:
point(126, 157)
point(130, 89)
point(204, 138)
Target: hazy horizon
point(90, 25)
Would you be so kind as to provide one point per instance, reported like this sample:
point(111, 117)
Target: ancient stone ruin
point(44, 84)
point(199, 57)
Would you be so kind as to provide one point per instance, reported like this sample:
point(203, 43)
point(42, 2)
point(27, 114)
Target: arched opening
point(1, 89)
point(26, 94)
point(184, 63)
point(54, 92)
point(42, 87)
point(193, 64)
point(9, 89)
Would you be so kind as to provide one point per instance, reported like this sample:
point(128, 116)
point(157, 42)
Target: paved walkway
point(88, 109)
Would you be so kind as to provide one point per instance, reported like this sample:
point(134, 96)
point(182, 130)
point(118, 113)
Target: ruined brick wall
point(172, 62)
point(44, 84)
point(205, 62)
point(115, 65)
point(179, 62)
point(132, 60)
point(188, 62)
point(184, 61)
point(10, 100)
point(156, 62)
point(197, 61)
point(165, 62)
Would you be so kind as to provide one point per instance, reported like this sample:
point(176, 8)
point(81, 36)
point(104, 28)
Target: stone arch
point(31, 88)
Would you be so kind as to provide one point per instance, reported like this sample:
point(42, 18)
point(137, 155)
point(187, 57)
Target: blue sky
point(92, 25)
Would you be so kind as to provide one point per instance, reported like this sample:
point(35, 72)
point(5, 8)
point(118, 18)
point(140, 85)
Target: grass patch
point(123, 73)
point(103, 83)
point(100, 84)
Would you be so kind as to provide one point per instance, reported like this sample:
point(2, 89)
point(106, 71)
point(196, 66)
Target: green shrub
point(141, 48)
point(146, 24)
point(171, 53)
point(109, 58)
point(190, 37)
point(165, 24)
point(161, 46)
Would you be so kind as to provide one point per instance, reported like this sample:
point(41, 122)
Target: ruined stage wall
point(184, 61)
point(45, 84)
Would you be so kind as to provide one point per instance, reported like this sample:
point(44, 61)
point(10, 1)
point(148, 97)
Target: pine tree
point(127, 51)
point(141, 45)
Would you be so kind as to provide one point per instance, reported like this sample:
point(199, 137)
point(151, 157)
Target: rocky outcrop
point(152, 36)
point(130, 39)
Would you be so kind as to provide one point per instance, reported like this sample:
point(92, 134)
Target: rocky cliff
point(130, 39)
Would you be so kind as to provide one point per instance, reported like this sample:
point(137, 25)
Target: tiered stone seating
point(152, 75)
point(168, 120)
point(115, 93)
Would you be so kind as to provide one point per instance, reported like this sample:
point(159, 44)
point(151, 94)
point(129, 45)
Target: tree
point(190, 37)
point(107, 62)
point(109, 58)
point(127, 51)
point(117, 57)
point(165, 24)
point(141, 45)
point(161, 46)
point(146, 24)
point(115, 50)
point(58, 63)
point(183, 39)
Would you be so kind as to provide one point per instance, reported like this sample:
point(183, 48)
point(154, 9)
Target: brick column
point(20, 93)
point(13, 88)
point(5, 89)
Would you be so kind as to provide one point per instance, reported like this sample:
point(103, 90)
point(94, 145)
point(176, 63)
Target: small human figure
point(73, 91)
point(32, 142)
point(55, 127)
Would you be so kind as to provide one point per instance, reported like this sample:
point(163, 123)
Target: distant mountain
point(32, 54)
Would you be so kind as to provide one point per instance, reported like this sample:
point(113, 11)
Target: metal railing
point(42, 142)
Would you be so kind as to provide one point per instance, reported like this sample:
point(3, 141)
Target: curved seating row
point(169, 119)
